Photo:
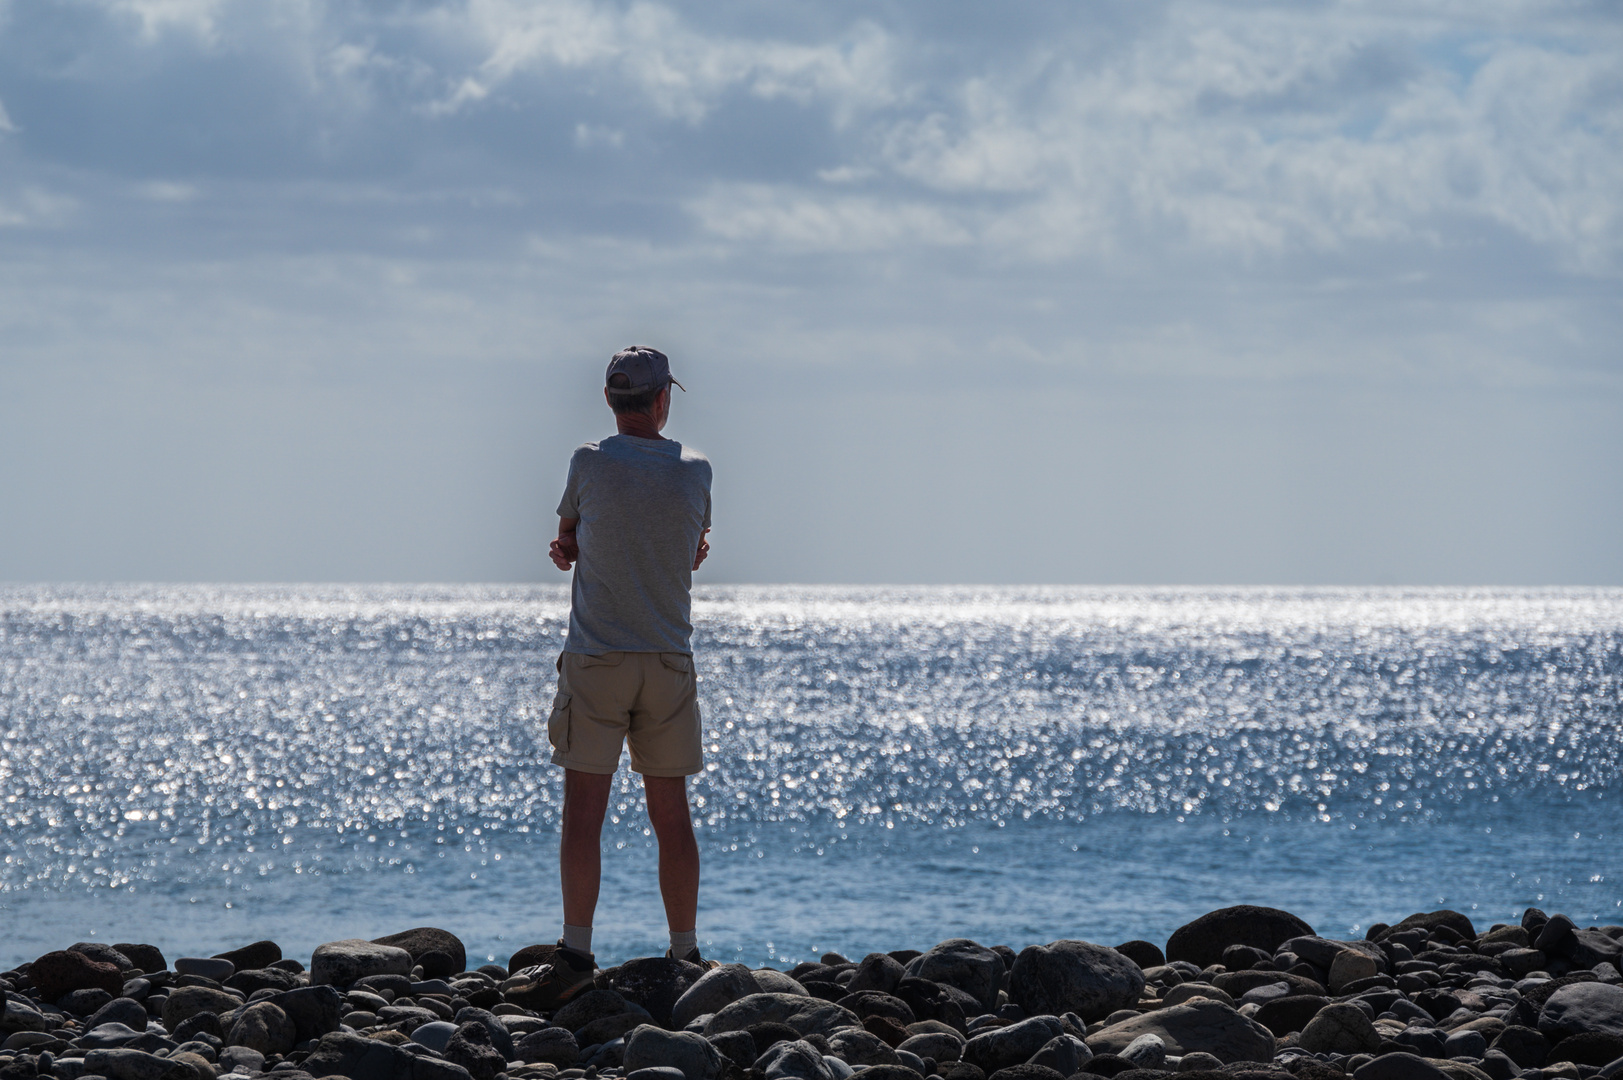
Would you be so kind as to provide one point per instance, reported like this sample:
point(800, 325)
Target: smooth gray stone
point(241, 1059)
point(1472, 1044)
point(998, 1048)
point(1583, 1007)
point(206, 967)
point(1201, 1024)
point(1090, 980)
point(1148, 1051)
point(855, 1046)
point(340, 963)
point(715, 990)
point(19, 1017)
point(972, 968)
point(773, 981)
point(798, 1060)
point(1066, 1054)
point(1399, 1067)
point(939, 1045)
point(651, 1047)
point(807, 1015)
point(120, 1010)
point(434, 1034)
point(265, 1027)
point(108, 1036)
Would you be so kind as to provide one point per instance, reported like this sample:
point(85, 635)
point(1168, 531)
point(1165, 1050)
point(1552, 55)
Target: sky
point(1117, 292)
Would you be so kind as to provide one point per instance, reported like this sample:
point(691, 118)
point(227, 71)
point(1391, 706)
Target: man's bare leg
point(678, 851)
point(580, 851)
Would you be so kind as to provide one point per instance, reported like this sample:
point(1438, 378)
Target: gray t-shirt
point(643, 505)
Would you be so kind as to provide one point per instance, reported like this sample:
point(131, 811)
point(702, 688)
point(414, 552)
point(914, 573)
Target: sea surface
point(200, 767)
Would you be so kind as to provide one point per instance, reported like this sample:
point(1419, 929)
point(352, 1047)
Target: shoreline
point(1243, 991)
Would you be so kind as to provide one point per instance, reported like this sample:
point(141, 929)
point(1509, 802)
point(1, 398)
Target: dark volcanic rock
point(868, 1003)
point(359, 1058)
point(1590, 1048)
point(1202, 942)
point(84, 1002)
point(103, 953)
point(1001, 1047)
point(1430, 920)
point(255, 979)
point(314, 1010)
point(713, 991)
point(1399, 1067)
point(592, 1005)
point(57, 974)
point(197, 1024)
point(341, 963)
point(120, 1010)
point(1237, 984)
point(1090, 980)
point(878, 971)
point(148, 958)
point(656, 983)
point(1284, 1015)
point(531, 955)
point(1145, 954)
point(1523, 1045)
point(261, 954)
point(1582, 1007)
point(959, 962)
point(428, 939)
point(807, 1015)
point(552, 1046)
point(188, 1001)
point(471, 1048)
point(1200, 1024)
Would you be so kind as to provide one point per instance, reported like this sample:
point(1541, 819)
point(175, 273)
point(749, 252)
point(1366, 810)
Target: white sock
point(578, 938)
point(684, 942)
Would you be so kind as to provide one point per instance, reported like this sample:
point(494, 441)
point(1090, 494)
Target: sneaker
point(694, 958)
point(554, 984)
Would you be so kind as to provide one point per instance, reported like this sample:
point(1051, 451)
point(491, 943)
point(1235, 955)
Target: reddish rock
point(57, 974)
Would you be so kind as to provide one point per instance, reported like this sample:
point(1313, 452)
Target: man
point(632, 523)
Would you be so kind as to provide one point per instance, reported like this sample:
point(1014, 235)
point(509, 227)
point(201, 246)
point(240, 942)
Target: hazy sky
point(1115, 292)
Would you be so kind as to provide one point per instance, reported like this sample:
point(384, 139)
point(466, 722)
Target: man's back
point(643, 506)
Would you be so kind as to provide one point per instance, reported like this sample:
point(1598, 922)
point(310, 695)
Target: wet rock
point(1399, 1067)
point(424, 940)
point(1198, 1025)
point(656, 983)
point(188, 1001)
point(57, 974)
point(205, 967)
point(341, 963)
point(878, 971)
point(1090, 980)
point(714, 991)
point(962, 963)
point(1202, 941)
point(261, 954)
point(1340, 1028)
point(807, 1015)
point(550, 1046)
point(263, 1027)
point(1001, 1047)
point(649, 1046)
point(148, 958)
point(471, 1048)
point(1582, 1007)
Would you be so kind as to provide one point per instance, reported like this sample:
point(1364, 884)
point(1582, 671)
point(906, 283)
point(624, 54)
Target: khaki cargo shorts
point(646, 700)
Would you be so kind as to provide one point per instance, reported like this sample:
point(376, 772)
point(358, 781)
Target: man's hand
point(704, 549)
point(565, 551)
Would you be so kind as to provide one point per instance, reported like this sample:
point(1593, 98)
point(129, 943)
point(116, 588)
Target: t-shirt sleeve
point(569, 505)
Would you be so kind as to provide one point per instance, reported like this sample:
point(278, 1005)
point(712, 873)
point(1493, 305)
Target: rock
point(610, 1028)
point(959, 1070)
point(57, 974)
point(1582, 1007)
point(109, 1036)
point(1322, 952)
point(1349, 966)
point(1199, 1061)
point(341, 1053)
point(1499, 1067)
point(874, 1003)
point(1526, 1047)
point(1428, 921)
point(807, 1015)
point(799, 1060)
point(999, 1048)
point(314, 1010)
point(657, 1072)
point(188, 1001)
point(1589, 1048)
point(198, 1025)
point(340, 963)
point(1184, 991)
point(878, 971)
point(593, 1005)
point(148, 958)
point(1399, 1067)
point(263, 1027)
point(1026, 1071)
point(255, 979)
point(936, 1001)
point(1284, 1015)
point(261, 954)
point(1518, 962)
point(1074, 976)
point(1146, 1052)
point(436, 1034)
point(550, 1046)
point(1065, 1054)
point(103, 953)
point(772, 981)
point(1198, 1025)
point(471, 1048)
point(1471, 1044)
point(19, 1017)
point(1589, 948)
point(656, 983)
point(1340, 1028)
point(1554, 933)
point(1239, 983)
point(649, 1046)
point(428, 939)
point(125, 1064)
point(241, 1059)
point(120, 1010)
point(1202, 942)
point(500, 1037)
point(935, 1044)
point(855, 1046)
point(714, 991)
point(205, 968)
point(964, 964)
point(84, 1002)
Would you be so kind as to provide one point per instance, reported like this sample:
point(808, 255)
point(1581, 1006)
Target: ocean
point(203, 766)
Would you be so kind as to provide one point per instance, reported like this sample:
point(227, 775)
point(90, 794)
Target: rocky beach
point(1249, 993)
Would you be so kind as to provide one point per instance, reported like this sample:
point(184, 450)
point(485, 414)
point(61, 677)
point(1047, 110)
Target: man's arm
point(565, 551)
point(704, 549)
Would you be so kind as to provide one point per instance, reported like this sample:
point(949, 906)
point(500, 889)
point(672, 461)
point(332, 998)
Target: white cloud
point(5, 121)
point(200, 18)
point(818, 221)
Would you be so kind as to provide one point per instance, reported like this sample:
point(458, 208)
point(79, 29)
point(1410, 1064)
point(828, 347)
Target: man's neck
point(641, 425)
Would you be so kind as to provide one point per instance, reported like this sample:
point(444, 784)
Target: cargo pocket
point(558, 724)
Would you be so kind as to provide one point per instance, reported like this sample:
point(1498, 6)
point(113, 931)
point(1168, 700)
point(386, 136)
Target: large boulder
point(188, 1001)
point(263, 1027)
point(1201, 1025)
point(807, 1015)
point(58, 974)
point(426, 940)
point(1090, 980)
point(1013, 1045)
point(962, 963)
point(1340, 1028)
point(1202, 942)
point(1578, 1008)
point(656, 983)
point(341, 963)
point(713, 991)
point(649, 1046)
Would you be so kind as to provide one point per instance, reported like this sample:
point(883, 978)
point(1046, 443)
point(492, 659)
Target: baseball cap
point(647, 369)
